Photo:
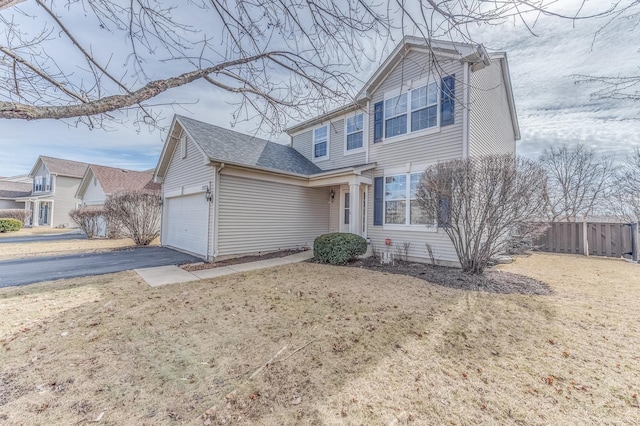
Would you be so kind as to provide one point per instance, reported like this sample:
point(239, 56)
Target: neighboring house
point(354, 169)
point(10, 191)
point(53, 194)
point(100, 182)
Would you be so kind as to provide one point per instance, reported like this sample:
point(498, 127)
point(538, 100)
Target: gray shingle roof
point(10, 189)
point(222, 145)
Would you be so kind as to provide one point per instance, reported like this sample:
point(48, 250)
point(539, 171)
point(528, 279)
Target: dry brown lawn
point(51, 248)
point(39, 230)
point(347, 346)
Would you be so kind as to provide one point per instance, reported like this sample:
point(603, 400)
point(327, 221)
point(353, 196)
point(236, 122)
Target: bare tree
point(481, 202)
point(20, 214)
point(137, 214)
point(625, 195)
point(282, 58)
point(578, 181)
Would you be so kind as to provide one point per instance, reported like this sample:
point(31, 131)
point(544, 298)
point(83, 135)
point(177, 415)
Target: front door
point(43, 217)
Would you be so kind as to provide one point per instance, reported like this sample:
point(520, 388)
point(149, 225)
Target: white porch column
point(355, 227)
point(35, 214)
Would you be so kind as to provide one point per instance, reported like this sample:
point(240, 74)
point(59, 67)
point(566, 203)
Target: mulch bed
point(237, 260)
point(495, 281)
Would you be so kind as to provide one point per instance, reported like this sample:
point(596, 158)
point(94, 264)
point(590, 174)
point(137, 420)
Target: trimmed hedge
point(10, 225)
point(338, 248)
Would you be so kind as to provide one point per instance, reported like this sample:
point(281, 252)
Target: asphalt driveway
point(49, 237)
point(36, 269)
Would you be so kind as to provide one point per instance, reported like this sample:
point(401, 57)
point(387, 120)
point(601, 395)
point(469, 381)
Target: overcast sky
point(552, 107)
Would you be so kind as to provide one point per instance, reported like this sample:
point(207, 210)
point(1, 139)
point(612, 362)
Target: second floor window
point(355, 126)
point(37, 184)
point(424, 107)
point(395, 116)
point(320, 142)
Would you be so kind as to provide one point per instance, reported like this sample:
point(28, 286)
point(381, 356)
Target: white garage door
point(187, 223)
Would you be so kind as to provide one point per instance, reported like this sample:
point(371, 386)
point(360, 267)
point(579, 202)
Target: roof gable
point(227, 146)
point(59, 166)
point(113, 180)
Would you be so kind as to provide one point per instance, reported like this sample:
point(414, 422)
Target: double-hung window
point(355, 126)
point(395, 116)
point(400, 202)
point(424, 107)
point(37, 183)
point(321, 143)
point(429, 105)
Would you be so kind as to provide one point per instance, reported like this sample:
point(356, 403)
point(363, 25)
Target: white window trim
point(433, 228)
point(407, 88)
point(183, 145)
point(313, 143)
point(365, 134)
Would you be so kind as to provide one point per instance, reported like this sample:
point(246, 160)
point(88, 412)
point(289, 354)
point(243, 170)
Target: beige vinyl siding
point(335, 213)
point(490, 125)
point(256, 215)
point(64, 200)
point(446, 144)
point(8, 204)
point(303, 143)
point(188, 172)
point(93, 195)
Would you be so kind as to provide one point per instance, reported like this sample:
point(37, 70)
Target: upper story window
point(354, 132)
point(37, 184)
point(395, 116)
point(321, 143)
point(426, 106)
point(47, 183)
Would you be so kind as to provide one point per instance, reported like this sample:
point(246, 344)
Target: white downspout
point(465, 109)
point(216, 208)
point(368, 115)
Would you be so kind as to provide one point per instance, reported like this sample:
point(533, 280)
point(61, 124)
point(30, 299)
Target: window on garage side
point(321, 142)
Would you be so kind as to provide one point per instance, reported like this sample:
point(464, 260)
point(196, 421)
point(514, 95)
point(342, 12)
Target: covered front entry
point(187, 224)
point(45, 212)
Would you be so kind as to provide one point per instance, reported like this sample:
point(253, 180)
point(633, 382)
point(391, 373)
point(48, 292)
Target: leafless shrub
point(479, 202)
point(137, 213)
point(402, 249)
point(432, 257)
point(89, 220)
point(20, 214)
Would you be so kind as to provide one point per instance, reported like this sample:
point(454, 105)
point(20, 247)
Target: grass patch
point(346, 346)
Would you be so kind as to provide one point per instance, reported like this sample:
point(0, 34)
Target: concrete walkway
point(163, 275)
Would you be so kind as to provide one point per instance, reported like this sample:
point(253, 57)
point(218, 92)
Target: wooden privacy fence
point(591, 239)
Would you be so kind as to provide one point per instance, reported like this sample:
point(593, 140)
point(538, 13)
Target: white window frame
point(314, 143)
point(436, 104)
point(37, 184)
point(385, 118)
point(406, 226)
point(183, 145)
point(407, 89)
point(364, 135)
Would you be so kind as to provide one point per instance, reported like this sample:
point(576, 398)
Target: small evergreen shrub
point(338, 248)
point(10, 225)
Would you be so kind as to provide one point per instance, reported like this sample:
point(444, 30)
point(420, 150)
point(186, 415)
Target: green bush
point(338, 248)
point(10, 225)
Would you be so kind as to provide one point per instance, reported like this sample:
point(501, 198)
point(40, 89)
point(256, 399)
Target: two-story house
point(354, 169)
point(101, 182)
point(53, 193)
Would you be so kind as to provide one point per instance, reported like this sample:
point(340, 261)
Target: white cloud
point(552, 109)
